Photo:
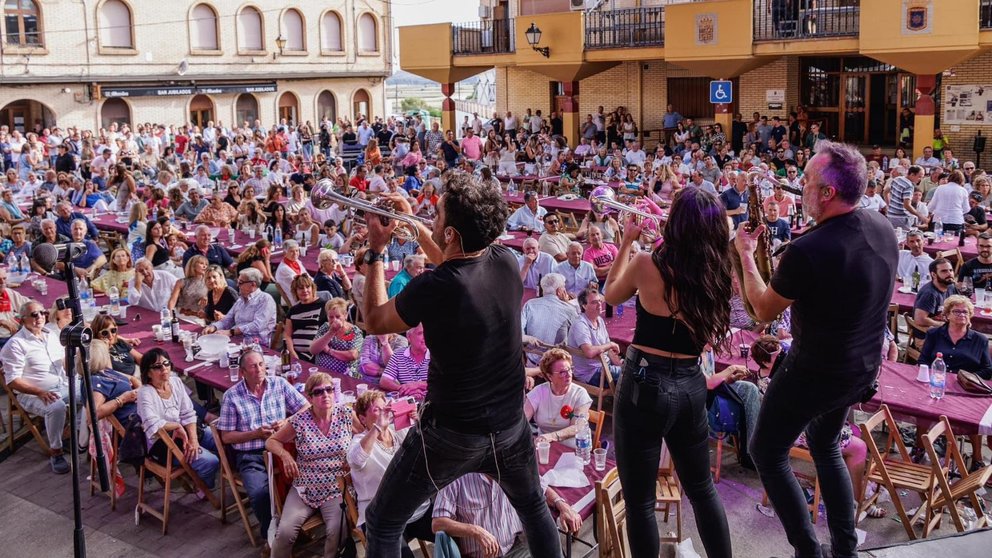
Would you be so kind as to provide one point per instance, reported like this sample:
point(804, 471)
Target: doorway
point(201, 111)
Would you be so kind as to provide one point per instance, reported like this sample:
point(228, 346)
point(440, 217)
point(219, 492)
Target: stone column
point(449, 118)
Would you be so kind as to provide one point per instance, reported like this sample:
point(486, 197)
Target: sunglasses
point(108, 332)
point(552, 221)
point(162, 365)
point(37, 314)
point(317, 392)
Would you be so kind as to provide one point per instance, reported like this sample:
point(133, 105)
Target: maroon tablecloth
point(578, 205)
point(981, 321)
point(582, 500)
point(968, 251)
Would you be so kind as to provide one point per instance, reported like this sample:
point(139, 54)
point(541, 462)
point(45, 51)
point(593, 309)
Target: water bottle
point(115, 301)
point(154, 212)
point(938, 377)
point(84, 294)
point(277, 238)
point(13, 264)
point(583, 439)
point(24, 267)
point(938, 229)
point(165, 319)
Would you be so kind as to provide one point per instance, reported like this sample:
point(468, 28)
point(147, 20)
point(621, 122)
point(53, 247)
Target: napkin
point(567, 473)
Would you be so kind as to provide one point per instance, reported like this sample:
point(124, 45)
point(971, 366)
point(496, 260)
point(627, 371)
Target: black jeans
point(660, 398)
point(433, 456)
point(818, 403)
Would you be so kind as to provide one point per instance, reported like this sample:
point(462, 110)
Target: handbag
point(133, 447)
point(972, 383)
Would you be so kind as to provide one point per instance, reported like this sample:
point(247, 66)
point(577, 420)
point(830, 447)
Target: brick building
point(90, 63)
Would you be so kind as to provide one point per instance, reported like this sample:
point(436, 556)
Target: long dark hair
point(694, 262)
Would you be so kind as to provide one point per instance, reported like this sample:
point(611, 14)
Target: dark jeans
point(414, 476)
point(818, 403)
point(420, 529)
point(251, 467)
point(661, 398)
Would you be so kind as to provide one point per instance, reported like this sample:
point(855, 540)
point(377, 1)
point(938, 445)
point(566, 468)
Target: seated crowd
point(258, 181)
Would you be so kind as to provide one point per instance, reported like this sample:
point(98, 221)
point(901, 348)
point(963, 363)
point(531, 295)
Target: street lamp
point(280, 44)
point(533, 34)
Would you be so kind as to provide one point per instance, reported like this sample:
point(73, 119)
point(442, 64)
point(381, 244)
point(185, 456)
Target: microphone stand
point(76, 337)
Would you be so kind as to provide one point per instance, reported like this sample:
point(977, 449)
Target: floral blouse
point(349, 341)
point(321, 458)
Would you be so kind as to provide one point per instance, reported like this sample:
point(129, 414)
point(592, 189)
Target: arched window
point(289, 108)
point(368, 33)
point(22, 22)
point(293, 32)
point(115, 111)
point(203, 28)
point(330, 33)
point(115, 25)
point(361, 105)
point(250, 35)
point(327, 106)
point(201, 110)
point(246, 109)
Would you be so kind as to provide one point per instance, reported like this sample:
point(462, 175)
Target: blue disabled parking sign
point(721, 92)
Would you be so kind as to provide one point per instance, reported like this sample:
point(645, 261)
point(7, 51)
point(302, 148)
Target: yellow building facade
point(853, 66)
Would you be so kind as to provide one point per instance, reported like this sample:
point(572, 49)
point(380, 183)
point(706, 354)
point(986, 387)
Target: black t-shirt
point(978, 212)
point(470, 309)
point(223, 305)
point(979, 272)
point(450, 153)
point(840, 276)
point(120, 357)
point(383, 137)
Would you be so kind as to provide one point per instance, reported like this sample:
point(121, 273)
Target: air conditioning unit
point(582, 5)
point(485, 12)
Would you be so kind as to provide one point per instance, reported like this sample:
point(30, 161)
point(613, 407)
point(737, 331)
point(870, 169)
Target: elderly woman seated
point(323, 435)
point(370, 454)
point(338, 343)
point(962, 348)
point(555, 404)
point(123, 355)
point(114, 394)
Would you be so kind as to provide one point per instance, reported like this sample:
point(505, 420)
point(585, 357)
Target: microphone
point(46, 255)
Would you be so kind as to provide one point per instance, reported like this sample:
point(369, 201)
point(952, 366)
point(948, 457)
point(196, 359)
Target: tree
point(413, 103)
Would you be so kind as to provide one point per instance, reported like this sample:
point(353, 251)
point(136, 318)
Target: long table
point(981, 321)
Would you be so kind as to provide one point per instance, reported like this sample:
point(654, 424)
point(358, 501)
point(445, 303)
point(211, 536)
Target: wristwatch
point(372, 256)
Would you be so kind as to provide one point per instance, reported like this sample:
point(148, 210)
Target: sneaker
point(59, 465)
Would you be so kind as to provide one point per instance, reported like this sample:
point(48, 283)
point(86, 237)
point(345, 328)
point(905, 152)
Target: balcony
point(985, 14)
point(493, 36)
point(775, 21)
point(627, 28)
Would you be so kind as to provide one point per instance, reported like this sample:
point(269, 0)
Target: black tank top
point(665, 333)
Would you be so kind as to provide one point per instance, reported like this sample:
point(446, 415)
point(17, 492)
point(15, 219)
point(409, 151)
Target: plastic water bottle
point(583, 439)
point(165, 319)
point(24, 266)
point(277, 238)
point(938, 377)
point(938, 229)
point(13, 264)
point(115, 301)
point(84, 294)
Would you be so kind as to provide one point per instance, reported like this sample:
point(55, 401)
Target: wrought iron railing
point(634, 27)
point(985, 14)
point(777, 20)
point(491, 36)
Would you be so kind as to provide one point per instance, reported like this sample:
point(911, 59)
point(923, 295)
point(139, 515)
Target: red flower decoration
point(566, 412)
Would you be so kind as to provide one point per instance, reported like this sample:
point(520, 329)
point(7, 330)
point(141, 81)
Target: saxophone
point(763, 253)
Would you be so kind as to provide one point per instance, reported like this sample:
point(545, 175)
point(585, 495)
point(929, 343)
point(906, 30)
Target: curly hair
point(694, 262)
point(478, 213)
point(763, 348)
point(550, 357)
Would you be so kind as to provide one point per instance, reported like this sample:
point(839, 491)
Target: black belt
point(635, 356)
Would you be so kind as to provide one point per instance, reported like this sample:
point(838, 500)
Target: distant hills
point(406, 78)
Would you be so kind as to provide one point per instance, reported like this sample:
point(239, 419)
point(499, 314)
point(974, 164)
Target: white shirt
point(510, 122)
point(378, 184)
point(636, 157)
point(36, 359)
point(155, 411)
point(875, 203)
point(927, 163)
point(524, 218)
point(367, 470)
point(547, 407)
point(284, 278)
point(576, 279)
point(908, 263)
point(949, 203)
point(155, 297)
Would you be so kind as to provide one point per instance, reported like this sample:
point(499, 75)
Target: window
point(246, 108)
point(250, 36)
point(203, 28)
point(330, 33)
point(115, 111)
point(292, 31)
point(368, 34)
point(327, 106)
point(22, 23)
point(115, 25)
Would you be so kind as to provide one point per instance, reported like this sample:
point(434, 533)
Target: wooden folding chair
point(30, 425)
point(914, 343)
point(605, 387)
point(117, 432)
point(229, 476)
point(954, 255)
point(668, 492)
point(351, 507)
point(596, 419)
point(894, 473)
point(167, 473)
point(611, 516)
point(893, 314)
point(279, 487)
point(946, 492)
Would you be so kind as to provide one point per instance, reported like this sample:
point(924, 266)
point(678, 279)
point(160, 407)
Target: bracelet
point(558, 499)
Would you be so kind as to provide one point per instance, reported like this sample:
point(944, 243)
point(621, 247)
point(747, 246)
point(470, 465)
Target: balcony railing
point(985, 14)
point(491, 36)
point(635, 27)
point(776, 20)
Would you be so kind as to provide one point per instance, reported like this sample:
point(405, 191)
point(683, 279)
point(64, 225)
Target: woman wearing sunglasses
point(322, 434)
point(164, 406)
point(123, 354)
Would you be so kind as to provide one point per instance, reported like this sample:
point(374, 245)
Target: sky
point(415, 12)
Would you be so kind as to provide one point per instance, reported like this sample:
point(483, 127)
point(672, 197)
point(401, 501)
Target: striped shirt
point(305, 318)
point(404, 369)
point(901, 189)
point(241, 411)
point(477, 500)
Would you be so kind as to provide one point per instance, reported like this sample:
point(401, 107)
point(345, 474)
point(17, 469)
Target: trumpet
point(603, 197)
point(324, 195)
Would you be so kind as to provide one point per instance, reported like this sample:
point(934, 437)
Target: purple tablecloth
point(981, 321)
point(578, 205)
point(582, 500)
point(968, 251)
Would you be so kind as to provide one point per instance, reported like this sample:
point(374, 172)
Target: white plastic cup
point(543, 452)
point(361, 388)
point(924, 374)
point(599, 456)
point(123, 314)
point(233, 374)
